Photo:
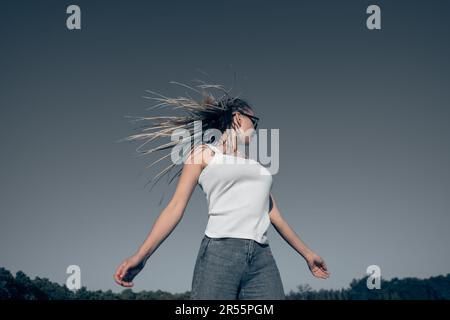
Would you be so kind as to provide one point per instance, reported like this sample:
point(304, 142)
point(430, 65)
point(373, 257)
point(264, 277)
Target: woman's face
point(245, 125)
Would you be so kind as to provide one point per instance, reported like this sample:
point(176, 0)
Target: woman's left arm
point(315, 263)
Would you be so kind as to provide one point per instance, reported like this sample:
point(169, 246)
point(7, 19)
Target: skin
point(174, 211)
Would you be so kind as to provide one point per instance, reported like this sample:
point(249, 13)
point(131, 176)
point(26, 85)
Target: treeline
point(21, 287)
point(434, 288)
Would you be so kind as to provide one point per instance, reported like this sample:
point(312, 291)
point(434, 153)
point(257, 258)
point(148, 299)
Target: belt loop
point(249, 248)
point(205, 246)
point(252, 249)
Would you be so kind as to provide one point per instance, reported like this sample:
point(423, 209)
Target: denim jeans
point(235, 269)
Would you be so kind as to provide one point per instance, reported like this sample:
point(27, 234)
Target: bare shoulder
point(200, 155)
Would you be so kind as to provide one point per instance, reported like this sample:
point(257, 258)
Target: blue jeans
point(235, 269)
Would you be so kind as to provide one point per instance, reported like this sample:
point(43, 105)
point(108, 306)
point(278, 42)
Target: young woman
point(234, 260)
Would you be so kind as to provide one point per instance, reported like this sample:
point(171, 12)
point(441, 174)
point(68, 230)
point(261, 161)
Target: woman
point(234, 260)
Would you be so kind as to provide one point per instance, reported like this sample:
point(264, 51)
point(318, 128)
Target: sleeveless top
point(237, 191)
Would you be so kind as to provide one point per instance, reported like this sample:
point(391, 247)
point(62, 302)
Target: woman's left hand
point(317, 266)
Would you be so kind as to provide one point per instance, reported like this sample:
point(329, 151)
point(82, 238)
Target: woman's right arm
point(166, 221)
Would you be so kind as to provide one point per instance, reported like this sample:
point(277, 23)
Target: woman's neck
point(223, 146)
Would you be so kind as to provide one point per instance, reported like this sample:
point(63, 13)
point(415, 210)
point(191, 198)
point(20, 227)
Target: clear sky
point(363, 117)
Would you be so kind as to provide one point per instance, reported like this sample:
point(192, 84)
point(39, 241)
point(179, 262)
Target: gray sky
point(363, 118)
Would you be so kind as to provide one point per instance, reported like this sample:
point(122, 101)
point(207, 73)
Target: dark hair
point(214, 113)
point(223, 119)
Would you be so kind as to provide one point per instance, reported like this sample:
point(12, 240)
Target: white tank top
point(237, 191)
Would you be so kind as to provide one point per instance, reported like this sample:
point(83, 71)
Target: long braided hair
point(213, 112)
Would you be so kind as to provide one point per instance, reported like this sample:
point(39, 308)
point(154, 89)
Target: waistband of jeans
point(234, 239)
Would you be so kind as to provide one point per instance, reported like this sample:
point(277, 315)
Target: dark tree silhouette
point(21, 287)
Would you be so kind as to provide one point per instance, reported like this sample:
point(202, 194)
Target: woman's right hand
point(317, 266)
point(128, 269)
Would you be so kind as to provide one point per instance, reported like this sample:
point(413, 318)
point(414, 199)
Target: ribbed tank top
point(237, 191)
